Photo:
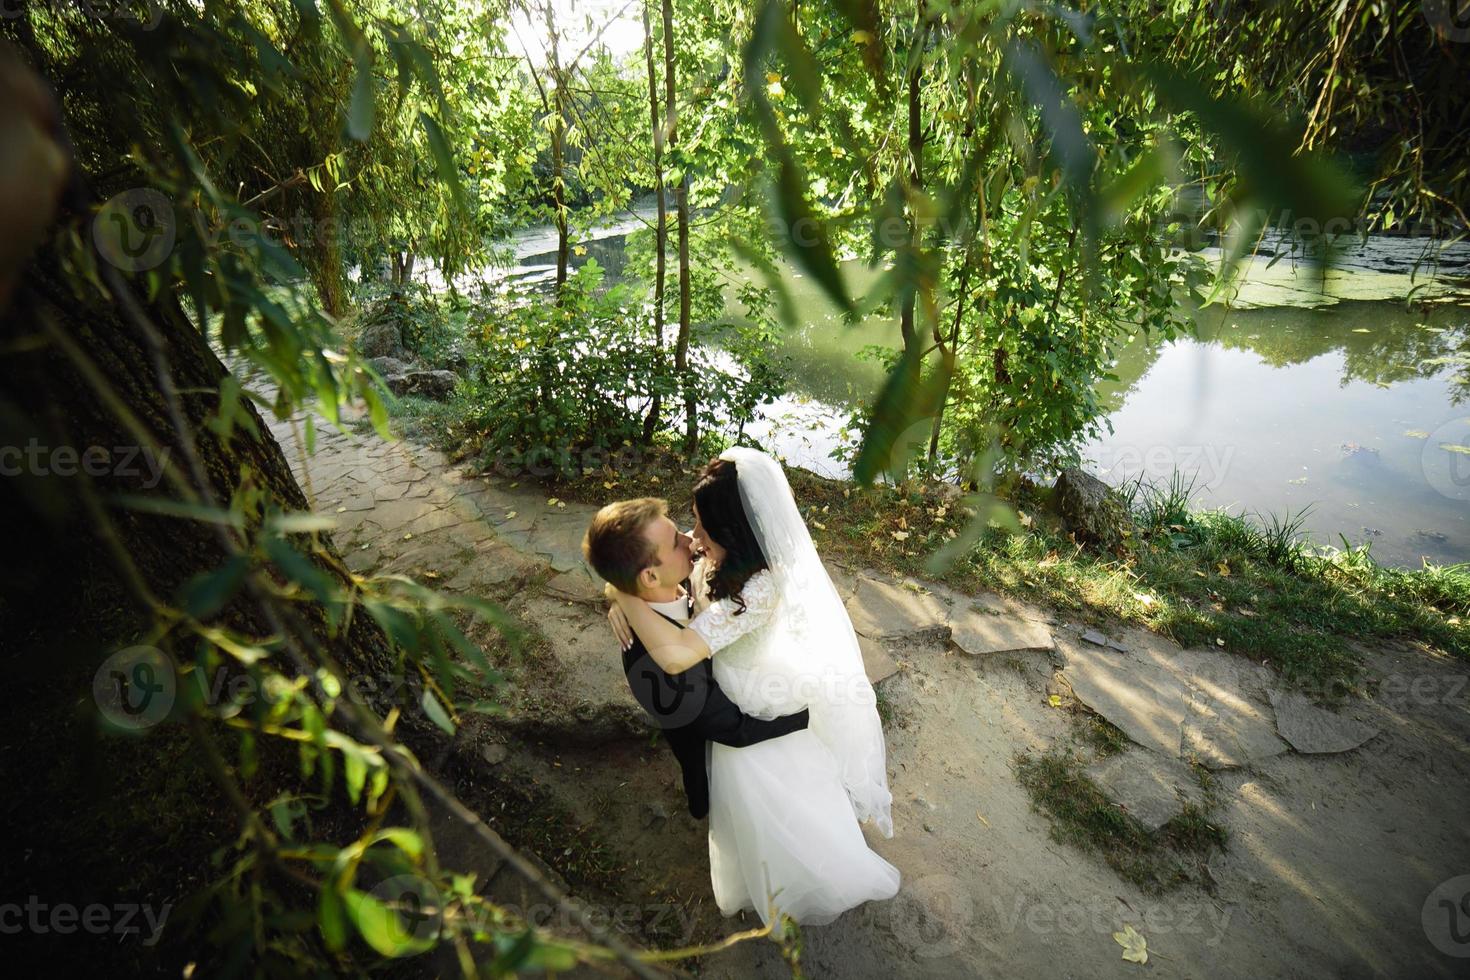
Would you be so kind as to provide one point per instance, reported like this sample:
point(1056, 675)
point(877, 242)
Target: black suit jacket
point(692, 710)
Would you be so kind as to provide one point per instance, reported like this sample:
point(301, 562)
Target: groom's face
point(673, 555)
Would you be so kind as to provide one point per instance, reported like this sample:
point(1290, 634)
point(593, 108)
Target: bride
point(784, 814)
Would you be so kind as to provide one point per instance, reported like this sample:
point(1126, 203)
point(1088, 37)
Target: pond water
point(1306, 392)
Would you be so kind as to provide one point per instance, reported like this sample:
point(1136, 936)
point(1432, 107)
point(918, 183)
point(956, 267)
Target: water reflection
point(1269, 409)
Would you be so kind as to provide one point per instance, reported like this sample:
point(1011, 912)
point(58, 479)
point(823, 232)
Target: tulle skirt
point(782, 831)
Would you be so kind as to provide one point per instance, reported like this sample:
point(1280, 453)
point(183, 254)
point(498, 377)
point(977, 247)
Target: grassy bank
point(1203, 578)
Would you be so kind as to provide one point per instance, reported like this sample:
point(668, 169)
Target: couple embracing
point(736, 642)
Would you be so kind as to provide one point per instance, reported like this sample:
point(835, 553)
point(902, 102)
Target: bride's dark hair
point(717, 495)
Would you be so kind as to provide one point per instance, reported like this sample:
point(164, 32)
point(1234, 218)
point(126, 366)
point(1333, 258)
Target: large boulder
point(1091, 511)
point(437, 385)
point(380, 338)
point(389, 366)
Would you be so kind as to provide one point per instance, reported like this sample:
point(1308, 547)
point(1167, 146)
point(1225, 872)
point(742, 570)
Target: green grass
point(1081, 816)
point(1101, 735)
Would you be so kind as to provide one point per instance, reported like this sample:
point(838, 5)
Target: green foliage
point(554, 380)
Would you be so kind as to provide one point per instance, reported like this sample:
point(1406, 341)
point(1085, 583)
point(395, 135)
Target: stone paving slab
point(1315, 730)
point(1152, 788)
point(1142, 697)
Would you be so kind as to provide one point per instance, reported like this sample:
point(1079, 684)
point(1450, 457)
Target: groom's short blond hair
point(616, 545)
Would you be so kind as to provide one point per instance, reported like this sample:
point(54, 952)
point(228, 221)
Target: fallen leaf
point(981, 818)
point(1055, 700)
point(900, 535)
point(1224, 569)
point(510, 515)
point(1135, 947)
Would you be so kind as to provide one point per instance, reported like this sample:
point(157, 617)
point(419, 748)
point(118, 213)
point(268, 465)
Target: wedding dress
point(784, 814)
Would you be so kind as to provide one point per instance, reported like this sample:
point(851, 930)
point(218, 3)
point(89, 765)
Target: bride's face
point(705, 544)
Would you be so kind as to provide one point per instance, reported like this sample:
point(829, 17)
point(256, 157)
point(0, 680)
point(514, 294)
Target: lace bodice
point(722, 622)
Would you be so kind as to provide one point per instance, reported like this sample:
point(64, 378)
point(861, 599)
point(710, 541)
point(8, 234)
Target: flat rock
point(558, 536)
point(978, 632)
point(1140, 695)
point(1098, 639)
point(1152, 788)
point(1316, 730)
point(842, 579)
point(1228, 732)
point(876, 661)
point(881, 609)
point(577, 584)
point(1230, 723)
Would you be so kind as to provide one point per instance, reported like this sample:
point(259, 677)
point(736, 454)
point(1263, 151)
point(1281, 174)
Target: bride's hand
point(619, 623)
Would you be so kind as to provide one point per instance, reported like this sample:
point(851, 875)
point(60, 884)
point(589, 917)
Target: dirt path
point(1341, 825)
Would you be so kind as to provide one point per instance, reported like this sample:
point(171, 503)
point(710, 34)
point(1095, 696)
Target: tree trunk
point(661, 230)
point(51, 403)
point(681, 202)
point(915, 183)
point(558, 157)
point(324, 253)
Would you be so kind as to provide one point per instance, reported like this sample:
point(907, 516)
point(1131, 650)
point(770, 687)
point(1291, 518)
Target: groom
point(634, 546)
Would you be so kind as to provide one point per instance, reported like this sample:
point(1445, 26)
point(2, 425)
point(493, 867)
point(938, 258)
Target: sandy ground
point(1332, 865)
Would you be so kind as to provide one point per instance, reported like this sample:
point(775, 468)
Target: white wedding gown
point(782, 829)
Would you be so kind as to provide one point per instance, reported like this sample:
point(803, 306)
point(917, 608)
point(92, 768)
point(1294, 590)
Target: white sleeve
point(723, 622)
